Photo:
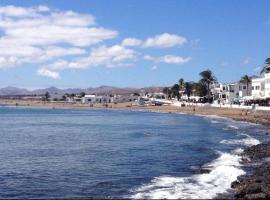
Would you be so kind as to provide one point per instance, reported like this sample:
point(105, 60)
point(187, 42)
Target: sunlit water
point(59, 153)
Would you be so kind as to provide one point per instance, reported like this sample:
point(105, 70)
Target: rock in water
point(257, 185)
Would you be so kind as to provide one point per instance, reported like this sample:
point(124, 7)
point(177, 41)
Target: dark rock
point(257, 184)
point(258, 151)
point(256, 196)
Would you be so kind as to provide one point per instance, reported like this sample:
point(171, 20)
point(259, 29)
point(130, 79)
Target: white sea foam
point(224, 170)
point(248, 141)
point(238, 151)
point(214, 122)
point(233, 127)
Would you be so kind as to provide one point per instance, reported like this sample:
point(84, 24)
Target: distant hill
point(98, 90)
point(14, 91)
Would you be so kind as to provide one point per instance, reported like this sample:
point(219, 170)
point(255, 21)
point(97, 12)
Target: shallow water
point(48, 153)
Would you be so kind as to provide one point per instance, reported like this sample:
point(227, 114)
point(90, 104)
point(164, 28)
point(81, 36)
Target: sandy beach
point(259, 117)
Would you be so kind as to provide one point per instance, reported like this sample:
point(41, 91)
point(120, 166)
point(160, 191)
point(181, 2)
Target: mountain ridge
point(101, 90)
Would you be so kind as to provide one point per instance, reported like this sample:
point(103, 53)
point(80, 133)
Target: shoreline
point(244, 185)
point(258, 117)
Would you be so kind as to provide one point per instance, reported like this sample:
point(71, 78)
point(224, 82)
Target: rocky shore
point(256, 184)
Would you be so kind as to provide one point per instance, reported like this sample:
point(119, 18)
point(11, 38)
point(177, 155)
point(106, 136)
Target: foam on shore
point(248, 141)
point(224, 170)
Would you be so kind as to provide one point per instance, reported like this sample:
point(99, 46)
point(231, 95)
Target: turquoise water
point(65, 153)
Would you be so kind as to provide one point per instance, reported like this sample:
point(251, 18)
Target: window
point(244, 87)
point(257, 87)
point(252, 88)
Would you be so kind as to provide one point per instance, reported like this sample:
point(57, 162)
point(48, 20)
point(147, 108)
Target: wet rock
point(256, 196)
point(256, 185)
point(258, 151)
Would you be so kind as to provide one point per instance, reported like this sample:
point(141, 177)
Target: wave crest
point(224, 170)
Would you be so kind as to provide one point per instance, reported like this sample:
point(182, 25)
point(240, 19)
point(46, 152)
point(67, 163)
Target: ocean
point(68, 153)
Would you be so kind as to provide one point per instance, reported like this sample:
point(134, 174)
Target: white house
point(108, 98)
point(267, 85)
point(104, 99)
point(261, 87)
point(230, 92)
point(89, 98)
point(258, 88)
point(124, 98)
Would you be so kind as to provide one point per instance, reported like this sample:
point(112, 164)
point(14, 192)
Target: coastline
point(258, 117)
point(246, 186)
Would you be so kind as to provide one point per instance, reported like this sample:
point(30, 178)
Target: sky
point(130, 43)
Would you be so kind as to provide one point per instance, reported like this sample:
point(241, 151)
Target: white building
point(261, 87)
point(267, 85)
point(231, 92)
point(258, 88)
point(108, 98)
point(89, 98)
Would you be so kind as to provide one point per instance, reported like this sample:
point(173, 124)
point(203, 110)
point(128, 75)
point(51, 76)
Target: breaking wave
point(248, 141)
point(224, 170)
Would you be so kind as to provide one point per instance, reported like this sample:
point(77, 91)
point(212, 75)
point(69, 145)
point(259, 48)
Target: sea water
point(67, 153)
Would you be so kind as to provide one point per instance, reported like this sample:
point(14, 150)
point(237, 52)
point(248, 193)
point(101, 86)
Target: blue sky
point(167, 40)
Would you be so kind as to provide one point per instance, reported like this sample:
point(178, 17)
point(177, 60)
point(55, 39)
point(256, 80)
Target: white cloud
point(169, 59)
point(114, 56)
point(246, 61)
point(165, 40)
point(39, 34)
point(13, 11)
point(48, 73)
point(110, 57)
point(132, 42)
point(8, 62)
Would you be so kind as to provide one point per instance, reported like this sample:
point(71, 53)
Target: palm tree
point(175, 91)
point(188, 89)
point(208, 78)
point(181, 83)
point(181, 86)
point(246, 80)
point(266, 69)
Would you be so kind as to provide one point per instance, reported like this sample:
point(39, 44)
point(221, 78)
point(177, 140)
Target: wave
point(248, 141)
point(224, 170)
point(233, 127)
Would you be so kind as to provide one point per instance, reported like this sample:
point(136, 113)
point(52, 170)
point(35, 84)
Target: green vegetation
point(207, 79)
point(201, 88)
